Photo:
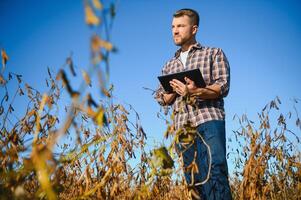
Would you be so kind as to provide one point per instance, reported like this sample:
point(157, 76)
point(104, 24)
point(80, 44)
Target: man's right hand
point(169, 98)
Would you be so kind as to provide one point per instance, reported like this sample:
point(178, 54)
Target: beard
point(179, 41)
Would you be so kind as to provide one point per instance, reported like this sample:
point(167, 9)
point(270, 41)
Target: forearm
point(209, 92)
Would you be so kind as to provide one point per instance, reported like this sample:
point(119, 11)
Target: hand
point(190, 85)
point(169, 98)
point(181, 88)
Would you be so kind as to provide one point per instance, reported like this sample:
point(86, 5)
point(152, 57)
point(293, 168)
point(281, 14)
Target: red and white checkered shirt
point(215, 69)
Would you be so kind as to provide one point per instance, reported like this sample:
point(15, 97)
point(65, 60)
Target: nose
point(175, 31)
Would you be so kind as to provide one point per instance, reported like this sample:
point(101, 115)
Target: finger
point(175, 83)
point(172, 84)
point(179, 83)
point(175, 80)
point(174, 87)
point(188, 80)
point(178, 87)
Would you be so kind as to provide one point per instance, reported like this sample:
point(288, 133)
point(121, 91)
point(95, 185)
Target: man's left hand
point(181, 88)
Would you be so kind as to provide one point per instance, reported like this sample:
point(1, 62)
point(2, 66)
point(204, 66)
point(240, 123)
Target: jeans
point(217, 187)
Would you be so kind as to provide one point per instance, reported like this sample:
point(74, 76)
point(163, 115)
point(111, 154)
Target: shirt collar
point(195, 46)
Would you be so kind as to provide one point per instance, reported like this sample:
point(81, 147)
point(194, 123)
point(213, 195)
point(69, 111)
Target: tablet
point(194, 74)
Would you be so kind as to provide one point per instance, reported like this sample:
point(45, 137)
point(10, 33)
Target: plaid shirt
point(215, 69)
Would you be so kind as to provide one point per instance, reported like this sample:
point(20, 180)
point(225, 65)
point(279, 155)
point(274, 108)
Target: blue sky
point(261, 39)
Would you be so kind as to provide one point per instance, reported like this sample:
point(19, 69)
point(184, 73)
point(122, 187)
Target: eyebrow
point(178, 25)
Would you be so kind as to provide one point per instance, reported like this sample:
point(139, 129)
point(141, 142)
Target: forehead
point(181, 20)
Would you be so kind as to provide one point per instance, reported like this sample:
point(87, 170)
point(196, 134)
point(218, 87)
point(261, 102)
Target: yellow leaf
point(39, 160)
point(91, 18)
point(86, 78)
point(97, 4)
point(107, 45)
point(99, 117)
point(98, 43)
point(164, 157)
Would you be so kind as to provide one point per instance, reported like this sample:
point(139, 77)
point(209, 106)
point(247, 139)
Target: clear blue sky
point(261, 39)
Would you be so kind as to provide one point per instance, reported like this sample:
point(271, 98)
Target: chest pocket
point(205, 67)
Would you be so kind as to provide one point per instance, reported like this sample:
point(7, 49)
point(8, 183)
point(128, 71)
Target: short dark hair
point(192, 14)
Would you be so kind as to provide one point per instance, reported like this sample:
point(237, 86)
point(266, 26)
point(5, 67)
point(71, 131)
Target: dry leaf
point(4, 59)
point(97, 4)
point(2, 80)
point(91, 101)
point(19, 78)
point(105, 92)
point(62, 75)
point(86, 78)
point(71, 66)
point(91, 18)
point(98, 43)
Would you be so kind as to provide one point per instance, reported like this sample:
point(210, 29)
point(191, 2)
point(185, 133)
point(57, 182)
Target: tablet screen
point(194, 74)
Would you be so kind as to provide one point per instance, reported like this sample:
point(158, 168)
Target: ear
point(194, 29)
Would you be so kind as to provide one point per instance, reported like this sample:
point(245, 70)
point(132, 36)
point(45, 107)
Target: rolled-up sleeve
point(160, 91)
point(159, 95)
point(221, 72)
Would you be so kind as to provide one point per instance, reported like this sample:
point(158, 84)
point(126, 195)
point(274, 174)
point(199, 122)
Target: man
point(208, 148)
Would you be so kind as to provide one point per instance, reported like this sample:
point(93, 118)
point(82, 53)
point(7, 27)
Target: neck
point(188, 45)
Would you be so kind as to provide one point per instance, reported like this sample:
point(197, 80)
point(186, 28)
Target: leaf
point(98, 43)
point(62, 75)
point(49, 73)
point(71, 66)
point(121, 108)
point(105, 92)
point(91, 18)
point(86, 78)
point(47, 84)
point(165, 160)
point(4, 59)
point(6, 97)
point(21, 92)
point(278, 100)
point(112, 10)
point(29, 90)
point(91, 101)
point(97, 4)
point(2, 80)
point(100, 118)
point(27, 163)
point(298, 123)
point(39, 158)
point(11, 109)
point(19, 78)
